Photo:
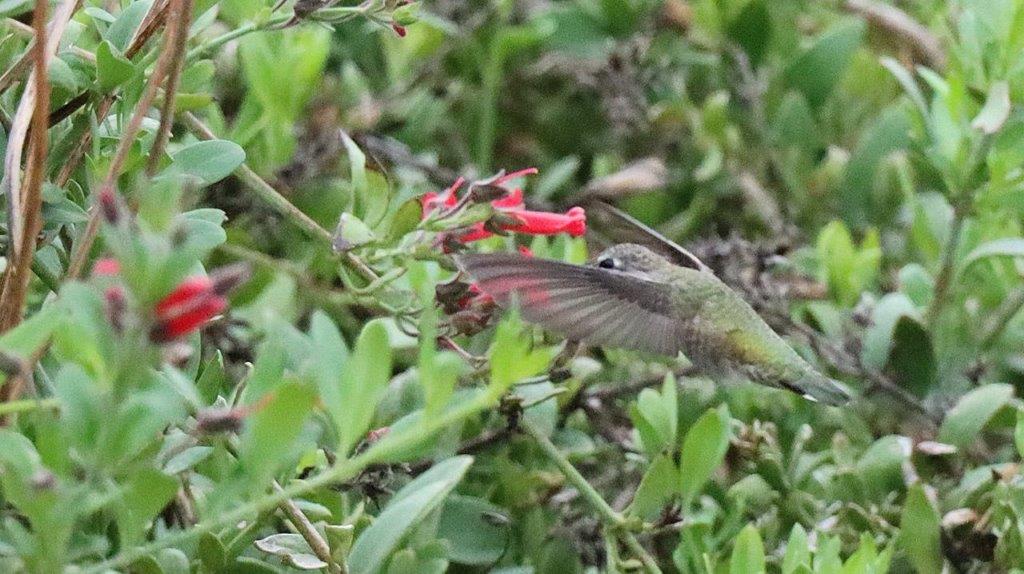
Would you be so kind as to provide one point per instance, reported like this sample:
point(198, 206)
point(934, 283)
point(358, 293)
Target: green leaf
point(907, 82)
point(879, 337)
point(972, 412)
point(147, 493)
point(849, 269)
point(477, 530)
point(330, 355)
point(351, 233)
point(656, 488)
point(210, 161)
point(14, 7)
point(123, 29)
point(406, 509)
point(405, 220)
point(881, 466)
point(211, 380)
point(889, 134)
point(293, 549)
point(1005, 247)
point(819, 69)
point(704, 449)
point(798, 553)
point(660, 412)
point(919, 532)
point(1018, 433)
point(112, 69)
point(269, 438)
point(367, 373)
point(187, 458)
point(747, 553)
point(512, 356)
point(752, 30)
point(794, 125)
point(33, 332)
point(211, 552)
point(996, 110)
point(203, 230)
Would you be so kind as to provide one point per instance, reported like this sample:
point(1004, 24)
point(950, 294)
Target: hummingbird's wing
point(598, 306)
point(627, 229)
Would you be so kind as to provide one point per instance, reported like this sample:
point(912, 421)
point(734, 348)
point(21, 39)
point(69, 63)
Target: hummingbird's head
point(630, 258)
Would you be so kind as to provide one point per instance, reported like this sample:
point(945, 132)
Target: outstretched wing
point(625, 228)
point(598, 306)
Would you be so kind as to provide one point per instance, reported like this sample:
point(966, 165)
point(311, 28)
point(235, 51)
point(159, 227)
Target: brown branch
point(84, 245)
point(25, 204)
point(181, 10)
point(898, 23)
point(150, 24)
point(316, 542)
point(16, 71)
point(279, 202)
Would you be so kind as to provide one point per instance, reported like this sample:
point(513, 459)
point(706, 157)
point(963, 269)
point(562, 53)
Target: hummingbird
point(663, 302)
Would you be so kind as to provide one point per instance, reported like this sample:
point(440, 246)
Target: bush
point(233, 336)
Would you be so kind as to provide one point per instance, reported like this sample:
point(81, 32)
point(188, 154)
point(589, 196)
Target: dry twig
point(898, 23)
point(163, 63)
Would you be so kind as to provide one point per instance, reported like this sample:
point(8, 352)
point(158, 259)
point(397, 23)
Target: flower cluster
point(469, 308)
point(186, 309)
point(511, 215)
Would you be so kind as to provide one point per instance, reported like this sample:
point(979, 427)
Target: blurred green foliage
point(859, 179)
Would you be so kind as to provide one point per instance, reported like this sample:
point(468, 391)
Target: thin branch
point(10, 185)
point(84, 244)
point(896, 22)
point(608, 515)
point(25, 31)
point(272, 197)
point(944, 279)
point(309, 533)
point(150, 24)
point(1002, 316)
point(182, 9)
point(339, 472)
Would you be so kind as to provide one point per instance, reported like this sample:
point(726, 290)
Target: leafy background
point(853, 168)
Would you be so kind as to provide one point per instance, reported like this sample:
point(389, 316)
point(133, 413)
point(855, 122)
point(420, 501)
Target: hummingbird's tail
point(819, 388)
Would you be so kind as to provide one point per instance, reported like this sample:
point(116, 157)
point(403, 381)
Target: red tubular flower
point(573, 222)
point(192, 303)
point(511, 213)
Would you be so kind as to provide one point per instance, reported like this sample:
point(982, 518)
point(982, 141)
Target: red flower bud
point(109, 206)
point(400, 30)
point(106, 267)
point(226, 278)
point(187, 308)
point(375, 435)
point(114, 305)
point(444, 200)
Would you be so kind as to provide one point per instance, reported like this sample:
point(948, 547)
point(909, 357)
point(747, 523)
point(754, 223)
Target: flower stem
point(342, 470)
point(26, 405)
point(267, 193)
point(944, 279)
point(611, 519)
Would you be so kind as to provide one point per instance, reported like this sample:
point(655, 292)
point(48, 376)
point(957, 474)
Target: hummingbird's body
point(633, 298)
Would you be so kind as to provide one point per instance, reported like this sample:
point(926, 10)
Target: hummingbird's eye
point(608, 263)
